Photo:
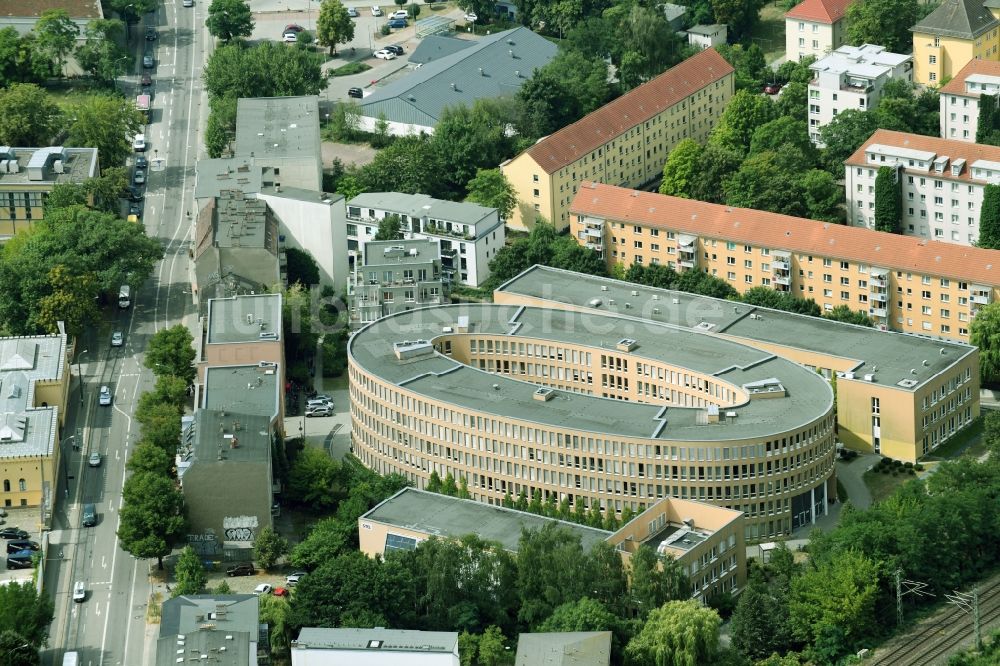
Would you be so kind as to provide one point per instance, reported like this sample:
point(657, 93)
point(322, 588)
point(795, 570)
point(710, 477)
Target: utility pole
point(911, 587)
point(969, 603)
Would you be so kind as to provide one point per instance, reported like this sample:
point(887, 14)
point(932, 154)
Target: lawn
point(881, 485)
point(770, 32)
point(968, 442)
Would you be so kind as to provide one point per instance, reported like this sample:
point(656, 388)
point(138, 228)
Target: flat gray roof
point(278, 126)
point(451, 517)
point(242, 389)
point(227, 173)
point(422, 206)
point(227, 648)
point(215, 432)
point(415, 251)
point(242, 222)
point(228, 612)
point(299, 194)
point(36, 166)
point(889, 356)
point(434, 47)
point(564, 648)
point(27, 431)
point(807, 395)
point(394, 640)
point(243, 318)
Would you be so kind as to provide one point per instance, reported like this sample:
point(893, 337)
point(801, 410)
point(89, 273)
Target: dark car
point(150, 33)
point(241, 570)
point(134, 194)
point(19, 545)
point(293, 27)
point(355, 92)
point(146, 80)
point(395, 48)
point(13, 533)
point(141, 162)
point(772, 88)
point(147, 61)
point(20, 560)
point(397, 23)
point(135, 209)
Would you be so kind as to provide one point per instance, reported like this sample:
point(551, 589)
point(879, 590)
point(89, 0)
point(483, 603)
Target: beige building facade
point(625, 142)
point(28, 175)
point(814, 28)
point(959, 99)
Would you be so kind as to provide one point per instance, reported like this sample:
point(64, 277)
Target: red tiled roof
point(77, 9)
point(792, 234)
point(954, 150)
point(820, 11)
point(975, 66)
point(636, 106)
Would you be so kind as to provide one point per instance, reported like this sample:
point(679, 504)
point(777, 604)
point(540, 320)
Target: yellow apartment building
point(35, 378)
point(953, 34)
point(897, 394)
point(595, 408)
point(905, 284)
point(27, 175)
point(625, 142)
point(707, 540)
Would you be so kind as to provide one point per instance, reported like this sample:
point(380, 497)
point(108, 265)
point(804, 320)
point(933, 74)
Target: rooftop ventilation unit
point(447, 329)
point(267, 335)
point(408, 349)
point(635, 293)
point(604, 287)
point(626, 344)
point(677, 301)
point(463, 324)
point(594, 303)
point(544, 394)
point(907, 383)
point(869, 378)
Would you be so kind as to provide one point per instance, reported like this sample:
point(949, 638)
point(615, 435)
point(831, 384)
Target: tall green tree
point(24, 611)
point(679, 632)
point(681, 170)
point(845, 314)
point(267, 69)
point(646, 45)
point(152, 516)
point(334, 25)
point(189, 574)
point(551, 570)
point(988, 125)
point(302, 267)
point(71, 300)
point(107, 123)
point(888, 201)
point(759, 624)
point(843, 135)
point(269, 547)
point(563, 91)
point(745, 112)
point(171, 352)
point(389, 228)
point(313, 479)
point(147, 457)
point(28, 116)
point(56, 37)
point(885, 22)
point(989, 218)
point(101, 54)
point(15, 650)
point(470, 139)
point(275, 612)
point(587, 614)
point(740, 15)
point(750, 67)
point(230, 19)
point(984, 332)
point(765, 182)
point(326, 539)
point(655, 580)
point(491, 188)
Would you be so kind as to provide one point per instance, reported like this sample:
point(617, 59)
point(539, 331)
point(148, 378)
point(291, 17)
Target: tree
point(563, 91)
point(760, 622)
point(171, 352)
point(152, 516)
point(344, 121)
point(845, 314)
point(220, 130)
point(302, 268)
point(106, 123)
point(15, 650)
point(888, 201)
point(189, 574)
point(311, 481)
point(824, 198)
point(793, 101)
point(843, 135)
point(334, 25)
point(228, 19)
point(28, 115)
point(766, 182)
point(740, 15)
point(679, 632)
point(681, 169)
point(409, 164)
point(783, 132)
point(101, 54)
point(551, 570)
point(989, 218)
point(610, 580)
point(147, 457)
point(463, 489)
point(71, 300)
point(645, 45)
point(275, 612)
point(885, 22)
point(717, 165)
point(985, 334)
point(265, 70)
point(769, 298)
point(161, 426)
point(448, 487)
point(413, 9)
point(745, 113)
point(25, 612)
point(988, 125)
point(751, 71)
point(587, 614)
point(491, 647)
point(655, 580)
point(327, 539)
point(268, 547)
point(389, 228)
point(470, 139)
point(56, 35)
point(491, 188)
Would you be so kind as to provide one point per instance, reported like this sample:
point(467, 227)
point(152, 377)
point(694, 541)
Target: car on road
point(376, 11)
point(13, 533)
point(89, 514)
point(263, 588)
point(139, 143)
point(188, 3)
point(79, 591)
point(135, 209)
point(471, 17)
point(352, 12)
point(395, 48)
point(355, 92)
point(385, 54)
point(104, 397)
point(772, 88)
point(151, 33)
point(397, 24)
point(134, 194)
point(94, 460)
point(20, 560)
point(146, 80)
point(139, 177)
point(141, 162)
point(21, 544)
point(241, 570)
point(147, 61)
point(117, 339)
point(399, 14)
point(319, 410)
point(292, 579)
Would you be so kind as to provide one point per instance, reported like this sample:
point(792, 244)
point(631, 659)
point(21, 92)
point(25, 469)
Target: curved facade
point(594, 408)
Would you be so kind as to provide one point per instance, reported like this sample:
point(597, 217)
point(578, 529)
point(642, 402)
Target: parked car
point(13, 533)
point(117, 339)
point(241, 570)
point(188, 3)
point(395, 48)
point(139, 142)
point(134, 194)
point(772, 88)
point(397, 24)
point(263, 588)
point(94, 460)
point(147, 61)
point(384, 54)
point(376, 11)
point(280, 592)
point(146, 80)
point(135, 209)
point(352, 12)
point(21, 544)
point(319, 397)
point(355, 92)
point(151, 33)
point(141, 162)
point(471, 17)
point(293, 27)
point(139, 177)
point(104, 397)
point(319, 410)
point(79, 591)
point(290, 37)
point(20, 560)
point(292, 579)
point(399, 14)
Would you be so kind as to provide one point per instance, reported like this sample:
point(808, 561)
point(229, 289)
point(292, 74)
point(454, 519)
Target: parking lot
point(26, 519)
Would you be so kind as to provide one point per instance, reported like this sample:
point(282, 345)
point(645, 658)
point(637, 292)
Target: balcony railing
point(980, 298)
point(878, 312)
point(780, 264)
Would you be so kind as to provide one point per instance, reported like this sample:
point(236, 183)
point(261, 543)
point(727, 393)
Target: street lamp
point(79, 373)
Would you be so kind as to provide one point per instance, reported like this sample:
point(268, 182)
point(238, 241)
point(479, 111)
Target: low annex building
point(374, 647)
point(593, 408)
point(28, 175)
point(899, 395)
point(564, 648)
point(227, 626)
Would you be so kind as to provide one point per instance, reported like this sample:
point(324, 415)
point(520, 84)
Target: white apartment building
point(942, 183)
point(960, 98)
point(851, 77)
point(469, 235)
point(815, 28)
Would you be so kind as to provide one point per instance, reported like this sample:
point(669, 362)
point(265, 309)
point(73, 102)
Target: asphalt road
point(109, 627)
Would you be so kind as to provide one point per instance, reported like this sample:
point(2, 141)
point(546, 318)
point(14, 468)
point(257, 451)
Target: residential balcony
point(785, 280)
point(440, 231)
point(878, 312)
point(594, 233)
point(876, 280)
point(597, 247)
point(979, 298)
point(686, 263)
point(880, 296)
point(780, 264)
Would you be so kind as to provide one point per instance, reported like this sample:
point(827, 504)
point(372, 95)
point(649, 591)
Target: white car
point(79, 591)
point(292, 579)
point(376, 11)
point(401, 14)
point(385, 54)
point(117, 339)
point(263, 588)
point(188, 3)
point(290, 37)
point(104, 398)
point(139, 143)
point(319, 410)
point(94, 460)
point(471, 17)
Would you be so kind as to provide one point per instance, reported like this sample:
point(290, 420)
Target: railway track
point(936, 636)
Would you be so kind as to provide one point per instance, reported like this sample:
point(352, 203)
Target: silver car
point(117, 339)
point(104, 398)
point(94, 460)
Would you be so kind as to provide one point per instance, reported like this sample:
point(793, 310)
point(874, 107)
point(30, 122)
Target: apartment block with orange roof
point(904, 284)
point(960, 98)
point(625, 142)
point(815, 28)
point(942, 183)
